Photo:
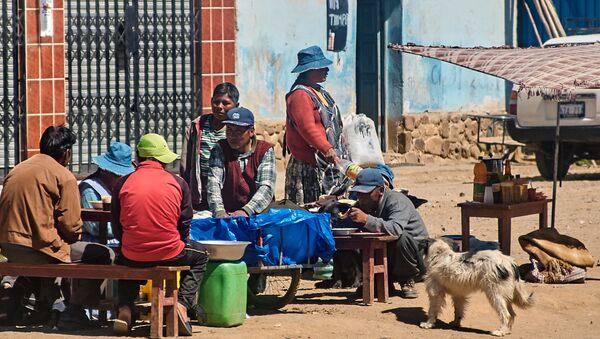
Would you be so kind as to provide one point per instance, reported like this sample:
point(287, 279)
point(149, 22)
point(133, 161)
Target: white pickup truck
point(535, 121)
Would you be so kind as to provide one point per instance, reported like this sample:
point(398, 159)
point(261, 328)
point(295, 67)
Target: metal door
point(368, 66)
point(11, 93)
point(130, 71)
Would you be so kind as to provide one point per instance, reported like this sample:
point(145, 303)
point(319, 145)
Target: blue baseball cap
point(117, 159)
point(240, 116)
point(367, 180)
point(311, 58)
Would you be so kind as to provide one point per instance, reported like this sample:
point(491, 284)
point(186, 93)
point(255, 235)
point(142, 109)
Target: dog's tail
point(521, 297)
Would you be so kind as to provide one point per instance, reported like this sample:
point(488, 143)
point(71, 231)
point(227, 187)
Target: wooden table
point(103, 217)
point(504, 213)
point(374, 263)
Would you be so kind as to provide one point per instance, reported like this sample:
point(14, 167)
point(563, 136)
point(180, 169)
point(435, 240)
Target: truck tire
point(545, 164)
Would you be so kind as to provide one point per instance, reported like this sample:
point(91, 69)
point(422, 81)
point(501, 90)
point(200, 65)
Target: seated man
point(40, 223)
point(241, 180)
point(380, 209)
point(151, 216)
point(112, 165)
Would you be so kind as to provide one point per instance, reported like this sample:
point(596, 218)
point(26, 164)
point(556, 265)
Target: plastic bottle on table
point(349, 168)
point(479, 181)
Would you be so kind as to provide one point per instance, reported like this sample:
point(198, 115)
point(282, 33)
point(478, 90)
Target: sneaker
point(184, 324)
point(122, 324)
point(408, 290)
point(73, 319)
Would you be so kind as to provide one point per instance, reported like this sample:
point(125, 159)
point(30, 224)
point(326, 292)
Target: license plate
point(573, 109)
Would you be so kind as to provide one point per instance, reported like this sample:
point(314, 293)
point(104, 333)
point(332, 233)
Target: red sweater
point(152, 212)
point(308, 134)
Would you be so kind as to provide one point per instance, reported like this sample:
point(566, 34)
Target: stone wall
point(423, 137)
point(420, 138)
point(273, 132)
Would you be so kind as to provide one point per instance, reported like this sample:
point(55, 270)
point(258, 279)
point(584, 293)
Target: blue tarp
point(299, 232)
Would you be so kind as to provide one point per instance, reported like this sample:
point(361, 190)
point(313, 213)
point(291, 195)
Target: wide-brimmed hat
point(117, 159)
point(153, 145)
point(367, 180)
point(311, 58)
point(240, 116)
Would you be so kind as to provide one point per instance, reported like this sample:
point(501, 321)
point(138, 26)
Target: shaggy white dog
point(460, 274)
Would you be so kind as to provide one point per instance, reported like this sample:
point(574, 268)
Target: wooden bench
point(164, 300)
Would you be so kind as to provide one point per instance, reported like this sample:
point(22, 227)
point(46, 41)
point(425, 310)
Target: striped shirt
point(209, 139)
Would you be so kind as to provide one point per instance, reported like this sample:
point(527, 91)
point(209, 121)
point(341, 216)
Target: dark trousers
point(84, 291)
point(192, 255)
point(405, 258)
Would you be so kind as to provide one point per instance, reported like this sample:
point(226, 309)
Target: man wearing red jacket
point(152, 212)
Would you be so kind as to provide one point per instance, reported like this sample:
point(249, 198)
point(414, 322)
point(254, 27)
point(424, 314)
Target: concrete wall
point(430, 85)
point(269, 34)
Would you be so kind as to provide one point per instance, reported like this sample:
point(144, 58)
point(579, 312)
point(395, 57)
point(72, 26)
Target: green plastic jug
point(223, 293)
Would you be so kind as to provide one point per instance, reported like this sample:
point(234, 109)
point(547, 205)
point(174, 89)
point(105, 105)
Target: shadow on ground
point(416, 315)
point(570, 177)
point(141, 329)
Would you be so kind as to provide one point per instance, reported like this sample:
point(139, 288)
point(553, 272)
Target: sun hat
point(153, 145)
point(117, 159)
point(240, 116)
point(311, 58)
point(367, 180)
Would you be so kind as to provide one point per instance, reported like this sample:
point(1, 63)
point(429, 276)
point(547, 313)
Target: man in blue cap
point(382, 210)
point(241, 179)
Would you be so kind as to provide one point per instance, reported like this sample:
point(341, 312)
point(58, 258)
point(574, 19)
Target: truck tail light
point(512, 104)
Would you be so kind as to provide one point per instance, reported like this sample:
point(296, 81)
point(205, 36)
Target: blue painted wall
point(430, 85)
point(566, 9)
point(270, 33)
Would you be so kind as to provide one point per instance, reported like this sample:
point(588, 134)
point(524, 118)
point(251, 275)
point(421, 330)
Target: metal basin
point(223, 250)
point(343, 231)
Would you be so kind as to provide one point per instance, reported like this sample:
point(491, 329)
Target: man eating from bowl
point(382, 210)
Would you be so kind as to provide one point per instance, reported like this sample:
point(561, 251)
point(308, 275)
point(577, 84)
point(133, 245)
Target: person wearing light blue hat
point(112, 165)
point(313, 132)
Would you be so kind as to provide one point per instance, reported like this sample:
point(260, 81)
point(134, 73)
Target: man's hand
point(358, 216)
point(332, 156)
point(221, 214)
point(238, 213)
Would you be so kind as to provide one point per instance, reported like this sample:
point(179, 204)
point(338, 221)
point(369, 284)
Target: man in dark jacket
point(152, 212)
point(383, 210)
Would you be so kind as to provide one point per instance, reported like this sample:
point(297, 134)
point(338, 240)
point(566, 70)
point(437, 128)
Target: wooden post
point(156, 316)
point(171, 314)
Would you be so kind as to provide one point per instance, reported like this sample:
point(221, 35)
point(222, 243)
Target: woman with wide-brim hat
point(313, 130)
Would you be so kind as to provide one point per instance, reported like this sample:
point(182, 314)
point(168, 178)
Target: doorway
point(369, 80)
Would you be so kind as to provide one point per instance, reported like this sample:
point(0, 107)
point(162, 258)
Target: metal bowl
point(97, 204)
point(223, 250)
point(343, 231)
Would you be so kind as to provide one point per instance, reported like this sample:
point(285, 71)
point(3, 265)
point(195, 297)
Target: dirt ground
point(560, 311)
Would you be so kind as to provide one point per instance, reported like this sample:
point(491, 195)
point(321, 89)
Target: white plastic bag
point(361, 137)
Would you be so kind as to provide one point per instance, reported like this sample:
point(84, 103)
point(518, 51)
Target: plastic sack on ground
point(361, 137)
point(299, 233)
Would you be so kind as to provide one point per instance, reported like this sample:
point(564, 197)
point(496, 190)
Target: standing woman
point(313, 131)
point(203, 134)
